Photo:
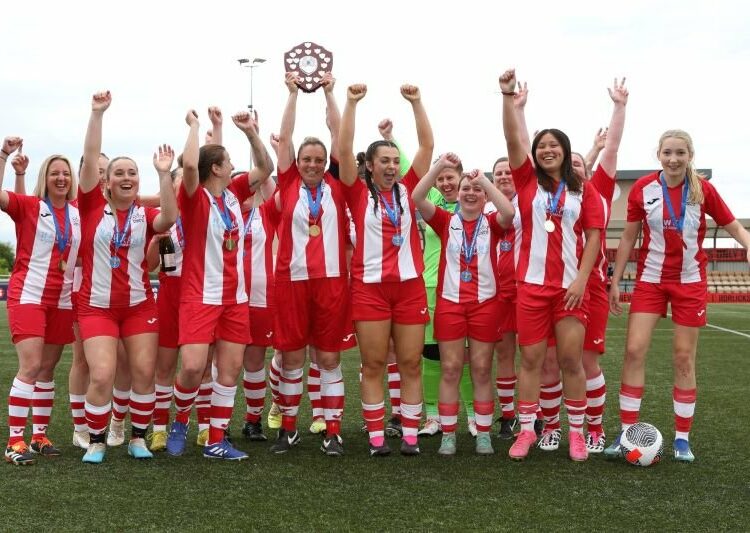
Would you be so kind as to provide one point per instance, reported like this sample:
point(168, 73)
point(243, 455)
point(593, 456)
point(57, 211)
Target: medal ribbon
point(394, 214)
point(180, 233)
point(249, 220)
point(676, 223)
point(61, 238)
point(314, 203)
point(224, 213)
point(468, 250)
point(118, 237)
point(552, 202)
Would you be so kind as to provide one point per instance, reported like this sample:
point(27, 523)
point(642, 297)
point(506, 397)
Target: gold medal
point(62, 265)
point(549, 226)
point(229, 244)
point(314, 230)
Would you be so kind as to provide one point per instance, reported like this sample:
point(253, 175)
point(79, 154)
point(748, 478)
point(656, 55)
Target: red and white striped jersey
point(376, 259)
point(552, 259)
point(212, 273)
point(483, 266)
point(605, 186)
point(508, 250)
point(302, 255)
point(177, 233)
point(126, 285)
point(36, 276)
point(259, 258)
point(663, 257)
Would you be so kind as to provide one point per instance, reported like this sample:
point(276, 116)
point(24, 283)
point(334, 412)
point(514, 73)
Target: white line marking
point(728, 330)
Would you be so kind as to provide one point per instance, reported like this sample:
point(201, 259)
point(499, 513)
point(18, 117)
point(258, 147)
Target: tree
point(7, 258)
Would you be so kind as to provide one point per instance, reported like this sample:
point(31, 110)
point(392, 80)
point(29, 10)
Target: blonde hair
point(693, 176)
point(40, 190)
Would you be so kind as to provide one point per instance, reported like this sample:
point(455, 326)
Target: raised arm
point(287, 123)
point(333, 115)
point(423, 157)
point(10, 145)
point(505, 209)
point(627, 243)
point(599, 139)
point(519, 102)
point(385, 127)
point(419, 194)
point(190, 154)
point(511, 128)
point(217, 125)
point(163, 159)
point(347, 161)
point(20, 163)
point(619, 95)
point(92, 146)
point(263, 165)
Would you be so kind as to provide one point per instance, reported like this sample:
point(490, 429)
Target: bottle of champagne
point(167, 254)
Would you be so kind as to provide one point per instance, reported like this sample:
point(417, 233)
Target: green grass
point(304, 490)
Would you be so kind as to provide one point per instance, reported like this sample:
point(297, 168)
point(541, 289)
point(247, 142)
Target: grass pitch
point(304, 490)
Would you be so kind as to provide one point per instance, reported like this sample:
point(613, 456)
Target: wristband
point(507, 94)
point(4, 152)
point(20, 173)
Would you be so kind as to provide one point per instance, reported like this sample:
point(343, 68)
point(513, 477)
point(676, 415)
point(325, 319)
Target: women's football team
point(519, 260)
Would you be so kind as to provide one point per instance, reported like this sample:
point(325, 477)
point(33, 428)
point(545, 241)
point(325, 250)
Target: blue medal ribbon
point(60, 238)
point(249, 220)
point(314, 203)
point(394, 215)
point(676, 223)
point(224, 213)
point(180, 232)
point(552, 202)
point(118, 237)
point(468, 250)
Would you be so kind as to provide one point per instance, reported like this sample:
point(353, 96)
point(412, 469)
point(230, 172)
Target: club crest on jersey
point(505, 246)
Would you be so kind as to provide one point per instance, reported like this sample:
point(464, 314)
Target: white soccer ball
point(642, 444)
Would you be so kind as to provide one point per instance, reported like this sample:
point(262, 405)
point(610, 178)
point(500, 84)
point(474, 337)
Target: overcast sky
point(686, 64)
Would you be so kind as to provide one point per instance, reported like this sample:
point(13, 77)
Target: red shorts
point(261, 325)
point(74, 303)
point(598, 311)
point(474, 320)
point(539, 308)
point(506, 313)
point(28, 321)
point(205, 323)
point(687, 300)
point(313, 311)
point(403, 302)
point(118, 322)
point(168, 306)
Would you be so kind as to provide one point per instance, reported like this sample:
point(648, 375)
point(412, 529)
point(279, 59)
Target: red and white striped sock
point(411, 414)
point(274, 374)
point(527, 413)
point(332, 398)
point(19, 402)
point(254, 387)
point(120, 401)
point(684, 409)
point(374, 415)
point(222, 402)
point(313, 390)
point(78, 411)
point(183, 402)
point(506, 387)
point(203, 405)
point(550, 397)
point(483, 413)
point(448, 413)
point(141, 410)
point(630, 404)
point(161, 407)
point(576, 412)
point(394, 389)
point(41, 407)
point(290, 392)
point(596, 395)
point(97, 418)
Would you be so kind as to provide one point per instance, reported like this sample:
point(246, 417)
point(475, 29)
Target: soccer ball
point(642, 444)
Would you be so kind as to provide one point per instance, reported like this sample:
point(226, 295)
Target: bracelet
point(4, 152)
point(20, 173)
point(507, 94)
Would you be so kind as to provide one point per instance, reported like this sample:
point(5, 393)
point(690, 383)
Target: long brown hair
point(566, 170)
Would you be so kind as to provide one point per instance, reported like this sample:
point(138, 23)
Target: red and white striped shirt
point(301, 255)
point(663, 257)
point(176, 233)
point(605, 186)
point(259, 257)
point(508, 249)
point(36, 276)
point(483, 266)
point(127, 285)
point(376, 259)
point(211, 273)
point(552, 259)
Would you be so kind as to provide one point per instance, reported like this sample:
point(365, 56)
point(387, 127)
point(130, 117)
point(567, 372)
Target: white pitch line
point(728, 330)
